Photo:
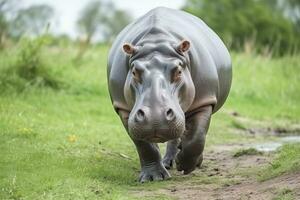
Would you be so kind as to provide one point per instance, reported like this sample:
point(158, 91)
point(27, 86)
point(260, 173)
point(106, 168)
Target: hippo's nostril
point(170, 115)
point(140, 115)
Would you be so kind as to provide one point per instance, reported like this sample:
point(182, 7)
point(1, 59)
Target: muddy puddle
point(273, 146)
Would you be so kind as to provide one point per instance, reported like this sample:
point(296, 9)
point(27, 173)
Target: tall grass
point(265, 87)
point(25, 66)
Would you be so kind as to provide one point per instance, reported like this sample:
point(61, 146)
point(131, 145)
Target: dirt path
point(224, 177)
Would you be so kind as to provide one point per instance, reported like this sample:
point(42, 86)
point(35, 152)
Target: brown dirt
point(223, 177)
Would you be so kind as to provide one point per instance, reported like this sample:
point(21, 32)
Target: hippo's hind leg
point(193, 140)
point(152, 168)
point(172, 149)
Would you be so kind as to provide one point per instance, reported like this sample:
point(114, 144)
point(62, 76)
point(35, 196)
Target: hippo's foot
point(186, 163)
point(153, 172)
point(168, 162)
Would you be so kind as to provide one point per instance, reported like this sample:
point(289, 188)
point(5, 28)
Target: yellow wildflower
point(72, 138)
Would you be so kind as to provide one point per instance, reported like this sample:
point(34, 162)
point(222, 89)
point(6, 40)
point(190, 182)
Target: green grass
point(288, 160)
point(249, 151)
point(284, 194)
point(69, 143)
point(266, 88)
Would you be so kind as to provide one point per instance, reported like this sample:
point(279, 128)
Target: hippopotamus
point(168, 72)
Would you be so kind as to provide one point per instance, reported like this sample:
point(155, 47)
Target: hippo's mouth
point(158, 136)
point(156, 139)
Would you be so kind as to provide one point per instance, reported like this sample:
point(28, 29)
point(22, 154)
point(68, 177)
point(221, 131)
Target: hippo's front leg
point(152, 168)
point(193, 140)
point(151, 164)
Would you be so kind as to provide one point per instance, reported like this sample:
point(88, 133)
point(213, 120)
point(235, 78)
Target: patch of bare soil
point(221, 177)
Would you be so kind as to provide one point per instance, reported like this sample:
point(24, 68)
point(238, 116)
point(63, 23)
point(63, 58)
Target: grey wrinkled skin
point(168, 72)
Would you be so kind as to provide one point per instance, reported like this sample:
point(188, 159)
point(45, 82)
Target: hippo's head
point(159, 88)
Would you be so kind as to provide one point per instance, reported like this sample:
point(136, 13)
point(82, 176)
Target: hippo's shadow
point(124, 172)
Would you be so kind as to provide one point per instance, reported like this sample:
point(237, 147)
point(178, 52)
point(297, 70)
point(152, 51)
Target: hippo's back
point(210, 62)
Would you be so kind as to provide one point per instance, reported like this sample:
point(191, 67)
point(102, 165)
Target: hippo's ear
point(183, 46)
point(129, 48)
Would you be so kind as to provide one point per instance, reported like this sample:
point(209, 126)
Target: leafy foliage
point(290, 8)
point(248, 22)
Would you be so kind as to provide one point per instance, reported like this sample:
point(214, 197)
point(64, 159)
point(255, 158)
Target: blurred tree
point(3, 22)
point(91, 19)
point(102, 18)
point(290, 8)
point(240, 23)
point(89, 22)
point(32, 20)
point(115, 23)
point(6, 6)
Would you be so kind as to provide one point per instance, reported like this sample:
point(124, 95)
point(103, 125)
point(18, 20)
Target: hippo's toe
point(156, 172)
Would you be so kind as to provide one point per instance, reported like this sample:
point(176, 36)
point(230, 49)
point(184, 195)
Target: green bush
point(28, 67)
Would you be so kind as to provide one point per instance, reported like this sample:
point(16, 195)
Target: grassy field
point(68, 143)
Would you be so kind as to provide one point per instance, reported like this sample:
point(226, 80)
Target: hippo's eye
point(176, 74)
point(134, 72)
point(136, 75)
